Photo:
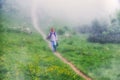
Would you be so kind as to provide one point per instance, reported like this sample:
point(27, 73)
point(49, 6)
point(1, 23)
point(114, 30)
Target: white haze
point(78, 11)
point(71, 11)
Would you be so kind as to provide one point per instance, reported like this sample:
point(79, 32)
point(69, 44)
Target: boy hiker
point(53, 38)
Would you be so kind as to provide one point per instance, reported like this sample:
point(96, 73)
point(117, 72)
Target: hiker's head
point(52, 29)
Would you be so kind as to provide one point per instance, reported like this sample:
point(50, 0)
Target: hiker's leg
point(53, 46)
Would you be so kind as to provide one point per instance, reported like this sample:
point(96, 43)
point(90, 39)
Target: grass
point(27, 57)
point(99, 61)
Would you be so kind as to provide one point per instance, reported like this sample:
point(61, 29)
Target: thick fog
point(71, 11)
point(77, 11)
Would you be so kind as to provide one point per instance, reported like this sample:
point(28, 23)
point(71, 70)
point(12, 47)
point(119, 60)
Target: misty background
point(43, 14)
point(78, 12)
point(73, 12)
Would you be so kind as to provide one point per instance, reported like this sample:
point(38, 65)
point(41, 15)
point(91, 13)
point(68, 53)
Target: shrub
point(102, 34)
point(60, 31)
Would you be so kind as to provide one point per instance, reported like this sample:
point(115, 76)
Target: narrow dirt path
point(72, 66)
point(36, 26)
point(66, 61)
point(80, 73)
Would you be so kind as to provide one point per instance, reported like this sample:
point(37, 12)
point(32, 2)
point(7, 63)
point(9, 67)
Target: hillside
point(25, 55)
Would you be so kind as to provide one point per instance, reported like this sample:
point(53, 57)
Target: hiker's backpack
point(51, 35)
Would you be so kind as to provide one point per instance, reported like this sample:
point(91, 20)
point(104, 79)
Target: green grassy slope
point(99, 61)
point(26, 56)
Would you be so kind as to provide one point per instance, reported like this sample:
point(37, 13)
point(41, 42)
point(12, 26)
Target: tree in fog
point(103, 33)
point(98, 28)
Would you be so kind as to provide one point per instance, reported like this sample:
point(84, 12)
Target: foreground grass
point(99, 61)
point(27, 57)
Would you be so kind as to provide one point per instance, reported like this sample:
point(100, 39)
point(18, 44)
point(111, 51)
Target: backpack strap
point(52, 33)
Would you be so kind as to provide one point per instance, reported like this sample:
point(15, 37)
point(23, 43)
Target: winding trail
point(77, 71)
point(37, 27)
point(73, 67)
